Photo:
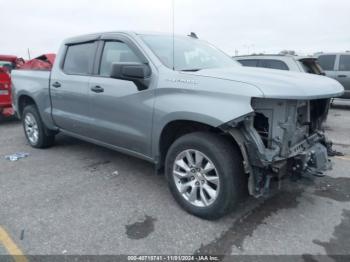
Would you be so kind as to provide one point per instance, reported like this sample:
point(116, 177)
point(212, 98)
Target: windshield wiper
point(191, 70)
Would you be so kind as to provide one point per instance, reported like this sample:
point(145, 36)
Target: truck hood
point(278, 83)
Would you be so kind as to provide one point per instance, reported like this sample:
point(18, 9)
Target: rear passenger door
point(70, 87)
point(343, 73)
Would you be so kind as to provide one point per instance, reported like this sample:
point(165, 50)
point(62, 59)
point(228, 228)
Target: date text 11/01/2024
point(174, 258)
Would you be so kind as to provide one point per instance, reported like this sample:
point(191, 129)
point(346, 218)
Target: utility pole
point(28, 53)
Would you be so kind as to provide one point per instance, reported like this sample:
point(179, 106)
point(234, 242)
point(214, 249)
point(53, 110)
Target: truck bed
point(34, 83)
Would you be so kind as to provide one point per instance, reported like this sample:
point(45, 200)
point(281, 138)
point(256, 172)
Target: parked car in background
point(337, 66)
point(294, 63)
point(216, 128)
point(7, 64)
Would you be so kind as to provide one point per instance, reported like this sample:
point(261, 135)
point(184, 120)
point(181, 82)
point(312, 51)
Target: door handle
point(56, 85)
point(97, 89)
point(342, 75)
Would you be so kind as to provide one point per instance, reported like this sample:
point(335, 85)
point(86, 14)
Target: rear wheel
point(37, 134)
point(205, 174)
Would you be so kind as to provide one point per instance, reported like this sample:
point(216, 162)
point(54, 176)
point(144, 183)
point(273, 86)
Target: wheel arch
point(177, 128)
point(23, 101)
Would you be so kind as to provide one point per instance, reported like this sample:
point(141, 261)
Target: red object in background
point(8, 62)
point(5, 93)
point(14, 60)
point(9, 58)
point(43, 62)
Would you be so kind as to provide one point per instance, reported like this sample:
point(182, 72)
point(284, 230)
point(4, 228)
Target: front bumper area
point(308, 157)
point(313, 161)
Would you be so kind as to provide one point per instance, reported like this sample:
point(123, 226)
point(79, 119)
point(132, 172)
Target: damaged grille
point(285, 123)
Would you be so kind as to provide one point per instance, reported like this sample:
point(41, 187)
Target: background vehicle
point(5, 93)
point(337, 66)
point(217, 128)
point(43, 62)
point(7, 64)
point(304, 64)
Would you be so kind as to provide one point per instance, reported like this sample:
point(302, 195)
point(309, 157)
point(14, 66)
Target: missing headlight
point(261, 124)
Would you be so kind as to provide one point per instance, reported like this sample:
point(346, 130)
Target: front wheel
point(34, 129)
point(205, 174)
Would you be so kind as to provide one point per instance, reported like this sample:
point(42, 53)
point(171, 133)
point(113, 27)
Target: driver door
point(121, 114)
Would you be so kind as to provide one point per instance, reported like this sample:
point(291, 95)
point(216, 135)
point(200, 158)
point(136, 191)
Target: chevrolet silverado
point(217, 129)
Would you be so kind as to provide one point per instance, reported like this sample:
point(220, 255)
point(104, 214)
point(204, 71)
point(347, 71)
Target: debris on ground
point(16, 156)
point(115, 173)
point(330, 151)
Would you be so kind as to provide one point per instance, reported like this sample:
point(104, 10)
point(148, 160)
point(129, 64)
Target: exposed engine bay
point(282, 137)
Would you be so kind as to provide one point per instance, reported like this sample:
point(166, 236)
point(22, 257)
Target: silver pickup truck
point(217, 129)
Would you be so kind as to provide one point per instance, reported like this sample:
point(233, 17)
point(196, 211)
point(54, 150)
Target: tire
point(228, 174)
point(44, 137)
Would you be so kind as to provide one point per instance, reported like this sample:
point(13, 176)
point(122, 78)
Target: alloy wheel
point(196, 178)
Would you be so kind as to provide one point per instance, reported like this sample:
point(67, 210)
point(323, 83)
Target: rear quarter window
point(273, 64)
point(79, 59)
point(327, 62)
point(249, 62)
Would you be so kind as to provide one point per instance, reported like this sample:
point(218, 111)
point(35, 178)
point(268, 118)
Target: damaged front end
point(282, 137)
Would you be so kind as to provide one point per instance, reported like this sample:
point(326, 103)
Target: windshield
point(190, 54)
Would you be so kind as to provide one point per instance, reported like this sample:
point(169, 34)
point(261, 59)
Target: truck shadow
point(9, 121)
point(98, 159)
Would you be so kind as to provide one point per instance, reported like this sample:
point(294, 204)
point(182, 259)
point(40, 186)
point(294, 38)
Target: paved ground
point(69, 200)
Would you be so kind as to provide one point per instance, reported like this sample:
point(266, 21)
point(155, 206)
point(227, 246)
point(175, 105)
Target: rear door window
point(249, 62)
point(273, 64)
point(79, 59)
point(327, 62)
point(344, 63)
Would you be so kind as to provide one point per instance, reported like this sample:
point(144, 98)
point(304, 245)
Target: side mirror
point(130, 71)
point(135, 72)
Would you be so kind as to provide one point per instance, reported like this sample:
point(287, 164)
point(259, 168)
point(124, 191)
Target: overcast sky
point(269, 26)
